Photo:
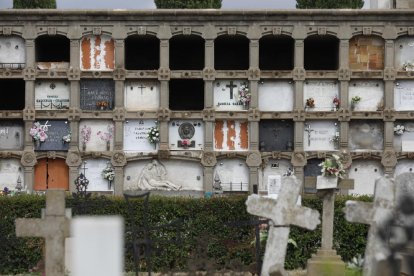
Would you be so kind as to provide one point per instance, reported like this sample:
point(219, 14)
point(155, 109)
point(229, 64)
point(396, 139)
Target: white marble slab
point(276, 95)
point(404, 95)
point(52, 95)
point(404, 166)
point(226, 94)
point(364, 173)
point(323, 92)
point(233, 174)
point(93, 173)
point(10, 172)
point(273, 167)
point(371, 93)
point(320, 135)
point(99, 129)
point(187, 128)
point(13, 51)
point(404, 51)
point(142, 95)
point(135, 136)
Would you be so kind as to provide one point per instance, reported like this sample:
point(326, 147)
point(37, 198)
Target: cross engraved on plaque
point(231, 86)
point(142, 87)
point(309, 130)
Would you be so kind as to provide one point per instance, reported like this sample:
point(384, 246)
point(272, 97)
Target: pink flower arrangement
point(86, 134)
point(244, 94)
point(337, 102)
point(185, 142)
point(38, 132)
point(106, 136)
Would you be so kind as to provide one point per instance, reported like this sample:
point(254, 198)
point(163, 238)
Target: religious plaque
point(136, 136)
point(11, 175)
point(57, 131)
point(233, 175)
point(97, 94)
point(366, 135)
point(322, 135)
point(276, 95)
point(186, 134)
point(370, 94)
point(276, 135)
point(52, 95)
point(231, 135)
point(92, 169)
point(404, 95)
point(96, 135)
point(11, 135)
point(231, 95)
point(323, 93)
point(364, 173)
point(403, 135)
point(142, 95)
point(404, 53)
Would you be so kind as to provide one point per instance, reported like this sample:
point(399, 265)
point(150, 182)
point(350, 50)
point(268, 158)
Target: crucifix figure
point(141, 87)
point(282, 212)
point(54, 228)
point(231, 86)
point(309, 130)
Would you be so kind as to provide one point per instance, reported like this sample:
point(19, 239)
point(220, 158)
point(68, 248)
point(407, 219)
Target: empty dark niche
point(321, 52)
point(276, 52)
point(186, 52)
point(186, 94)
point(231, 52)
point(54, 48)
point(12, 94)
point(142, 52)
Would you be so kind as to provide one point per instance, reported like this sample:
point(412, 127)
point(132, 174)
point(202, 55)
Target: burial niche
point(364, 173)
point(404, 95)
point(12, 52)
point(366, 135)
point(97, 53)
point(280, 92)
point(404, 53)
point(404, 135)
point(13, 87)
point(52, 52)
point(142, 52)
point(93, 169)
point(142, 95)
point(366, 53)
point(366, 95)
point(231, 52)
point(323, 95)
point(51, 174)
point(52, 95)
point(276, 135)
point(136, 136)
point(11, 175)
point(232, 175)
point(231, 135)
point(272, 176)
point(311, 171)
point(321, 52)
point(276, 52)
point(186, 134)
point(11, 135)
point(187, 52)
point(186, 94)
point(97, 94)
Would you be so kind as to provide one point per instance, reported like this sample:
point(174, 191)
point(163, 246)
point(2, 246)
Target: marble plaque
point(92, 168)
point(11, 171)
point(97, 53)
point(364, 173)
point(276, 135)
point(274, 183)
point(135, 136)
point(11, 135)
point(231, 135)
point(186, 134)
point(233, 175)
point(404, 53)
point(142, 95)
point(97, 94)
point(52, 95)
point(371, 93)
point(13, 52)
point(273, 167)
point(405, 141)
point(276, 95)
point(404, 166)
point(366, 135)
point(323, 92)
point(404, 95)
point(56, 130)
point(226, 94)
point(96, 135)
point(319, 135)
point(323, 183)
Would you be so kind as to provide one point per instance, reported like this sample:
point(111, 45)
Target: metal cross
point(84, 168)
point(142, 87)
point(308, 130)
point(231, 86)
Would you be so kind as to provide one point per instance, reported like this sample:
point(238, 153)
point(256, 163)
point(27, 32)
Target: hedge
point(34, 4)
point(208, 241)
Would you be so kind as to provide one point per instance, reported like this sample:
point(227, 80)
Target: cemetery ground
point(212, 234)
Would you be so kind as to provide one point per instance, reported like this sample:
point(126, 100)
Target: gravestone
point(54, 228)
point(276, 135)
point(230, 135)
point(92, 169)
point(13, 53)
point(405, 141)
point(11, 174)
point(226, 94)
point(404, 53)
point(375, 215)
point(404, 95)
point(366, 135)
point(96, 135)
point(97, 53)
point(186, 135)
point(321, 135)
point(52, 95)
point(276, 95)
point(142, 95)
point(136, 136)
point(55, 133)
point(11, 135)
point(371, 93)
point(364, 173)
point(283, 212)
point(233, 175)
point(97, 94)
point(323, 92)
point(273, 168)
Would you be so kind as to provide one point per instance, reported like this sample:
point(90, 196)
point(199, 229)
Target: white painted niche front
point(136, 136)
point(276, 96)
point(233, 175)
point(142, 95)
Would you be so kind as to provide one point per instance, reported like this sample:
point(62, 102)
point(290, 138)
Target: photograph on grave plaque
point(231, 135)
point(97, 94)
point(50, 135)
point(276, 95)
point(11, 135)
point(403, 135)
point(323, 93)
point(321, 135)
point(276, 135)
point(96, 135)
point(11, 175)
point(231, 95)
point(366, 135)
point(136, 136)
point(233, 175)
point(370, 94)
point(404, 95)
point(97, 53)
point(142, 95)
point(52, 95)
point(186, 134)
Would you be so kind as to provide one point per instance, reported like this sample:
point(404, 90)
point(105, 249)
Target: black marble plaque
point(97, 94)
point(312, 167)
point(276, 135)
point(55, 133)
point(11, 135)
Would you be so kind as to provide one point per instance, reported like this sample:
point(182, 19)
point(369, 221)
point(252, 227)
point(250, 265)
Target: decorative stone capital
point(164, 154)
point(344, 115)
point(366, 30)
point(254, 159)
point(209, 115)
point(119, 114)
point(253, 74)
point(298, 115)
point(28, 159)
point(344, 74)
point(51, 154)
point(119, 74)
point(209, 74)
point(118, 159)
point(29, 114)
point(74, 114)
point(389, 158)
point(163, 114)
point(389, 114)
point(73, 74)
point(29, 73)
point(299, 74)
point(209, 159)
point(7, 30)
point(97, 30)
point(254, 115)
point(298, 159)
point(7, 73)
point(73, 159)
point(389, 74)
point(164, 74)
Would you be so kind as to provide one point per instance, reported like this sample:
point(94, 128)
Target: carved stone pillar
point(253, 161)
point(73, 160)
point(118, 162)
point(28, 162)
point(208, 161)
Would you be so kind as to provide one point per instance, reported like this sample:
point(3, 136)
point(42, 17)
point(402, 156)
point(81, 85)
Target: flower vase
point(108, 145)
point(245, 106)
point(37, 143)
point(155, 146)
point(352, 106)
point(109, 184)
point(83, 146)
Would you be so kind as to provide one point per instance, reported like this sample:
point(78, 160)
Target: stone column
point(28, 162)
point(119, 161)
point(209, 75)
point(253, 161)
point(327, 220)
point(208, 161)
point(119, 53)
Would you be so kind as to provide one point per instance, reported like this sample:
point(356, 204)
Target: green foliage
point(188, 4)
point(209, 242)
point(329, 4)
point(34, 4)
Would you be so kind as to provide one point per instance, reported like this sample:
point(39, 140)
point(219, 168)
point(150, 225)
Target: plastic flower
point(86, 133)
point(108, 173)
point(399, 130)
point(333, 167)
point(355, 99)
point(38, 131)
point(336, 101)
point(106, 136)
point(310, 102)
point(153, 134)
point(67, 138)
point(244, 94)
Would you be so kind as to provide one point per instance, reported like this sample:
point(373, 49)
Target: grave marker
point(142, 95)
point(320, 135)
point(371, 93)
point(55, 133)
point(52, 95)
point(276, 135)
point(226, 95)
point(11, 135)
point(280, 92)
point(97, 94)
point(404, 95)
point(186, 135)
point(135, 135)
point(323, 92)
point(366, 135)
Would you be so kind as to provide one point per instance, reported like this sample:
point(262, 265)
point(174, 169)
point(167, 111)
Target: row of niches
point(143, 136)
point(187, 52)
point(232, 175)
point(228, 95)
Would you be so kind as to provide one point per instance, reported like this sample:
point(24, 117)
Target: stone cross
point(373, 214)
point(309, 130)
point(231, 86)
point(54, 228)
point(282, 212)
point(141, 87)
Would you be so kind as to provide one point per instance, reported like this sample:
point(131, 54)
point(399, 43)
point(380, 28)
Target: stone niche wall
point(12, 52)
point(366, 53)
point(11, 171)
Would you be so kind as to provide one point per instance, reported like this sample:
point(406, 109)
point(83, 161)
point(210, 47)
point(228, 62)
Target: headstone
point(373, 214)
point(320, 135)
point(97, 94)
point(365, 172)
point(273, 168)
point(11, 174)
point(404, 95)
point(55, 133)
point(142, 95)
point(13, 52)
point(96, 135)
point(371, 94)
point(97, 53)
point(52, 95)
point(92, 169)
point(186, 135)
point(404, 53)
point(276, 135)
point(283, 212)
point(230, 135)
point(136, 136)
point(233, 174)
point(323, 92)
point(54, 228)
point(98, 246)
point(366, 135)
point(226, 94)
point(11, 135)
point(404, 141)
point(280, 92)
